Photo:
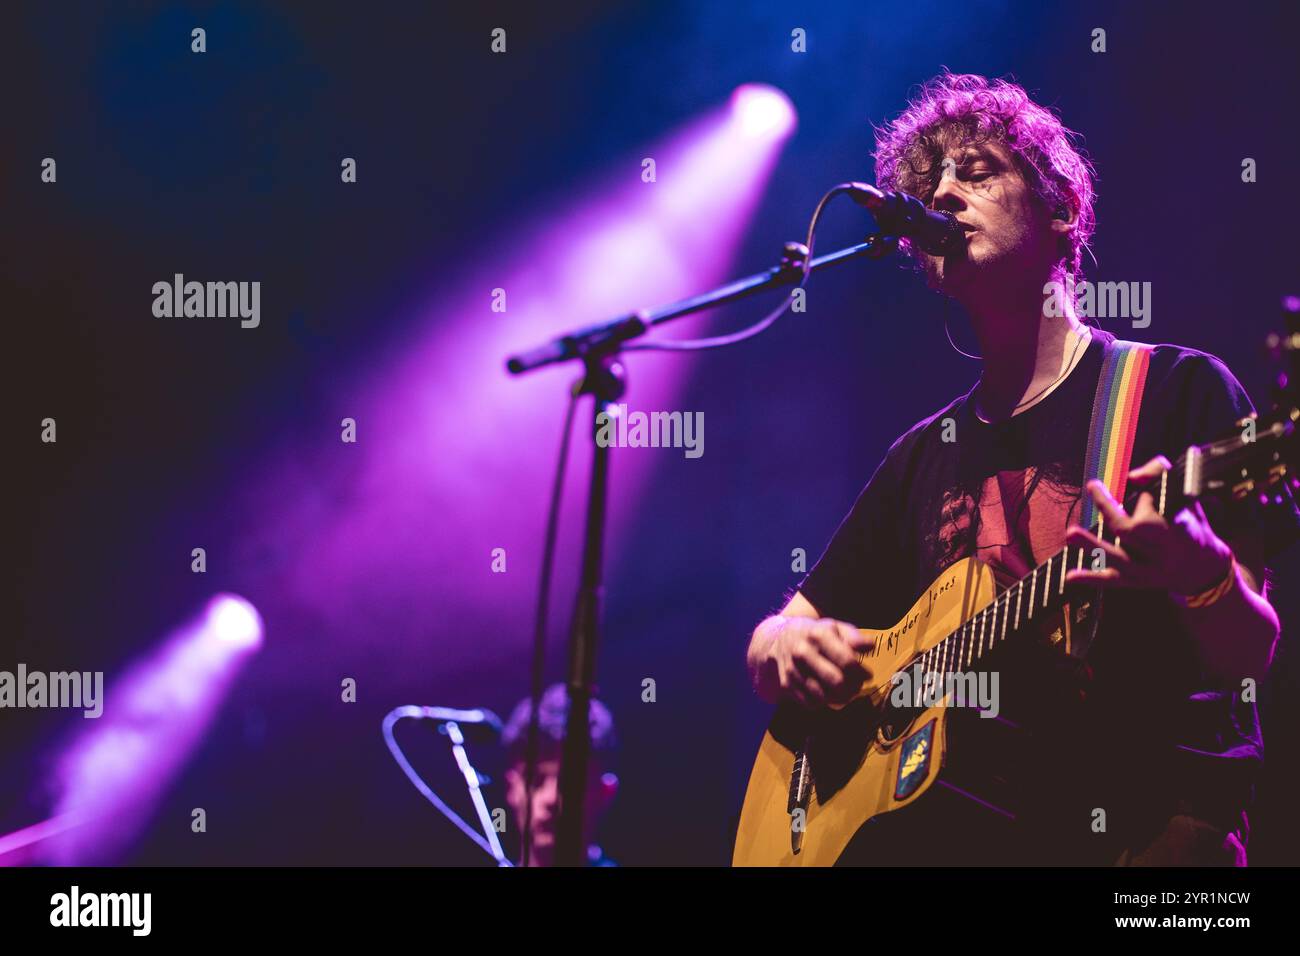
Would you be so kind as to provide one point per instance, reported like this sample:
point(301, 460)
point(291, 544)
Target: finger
point(1190, 524)
point(805, 689)
point(1103, 577)
point(815, 692)
point(1148, 526)
point(1146, 536)
point(857, 642)
point(1194, 521)
point(817, 668)
point(860, 641)
point(829, 639)
point(1200, 512)
point(861, 644)
point(1150, 471)
point(1112, 554)
point(840, 644)
point(1145, 510)
point(1110, 509)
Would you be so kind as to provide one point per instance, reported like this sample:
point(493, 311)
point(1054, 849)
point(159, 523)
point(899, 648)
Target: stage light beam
point(762, 112)
point(113, 774)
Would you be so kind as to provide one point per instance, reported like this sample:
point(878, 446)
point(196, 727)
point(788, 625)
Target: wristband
point(1211, 594)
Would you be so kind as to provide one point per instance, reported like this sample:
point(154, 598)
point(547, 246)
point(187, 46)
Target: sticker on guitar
point(915, 761)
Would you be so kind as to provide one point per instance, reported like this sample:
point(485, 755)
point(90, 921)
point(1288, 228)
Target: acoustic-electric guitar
point(820, 776)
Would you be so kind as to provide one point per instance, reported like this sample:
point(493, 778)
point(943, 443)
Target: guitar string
point(957, 642)
point(958, 637)
point(1177, 471)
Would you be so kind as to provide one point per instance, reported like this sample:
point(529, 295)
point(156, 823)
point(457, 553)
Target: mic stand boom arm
point(609, 336)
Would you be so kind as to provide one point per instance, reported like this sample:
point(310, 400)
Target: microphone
point(899, 214)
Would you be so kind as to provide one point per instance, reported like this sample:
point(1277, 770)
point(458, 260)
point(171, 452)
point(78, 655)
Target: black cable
point(731, 338)
point(539, 628)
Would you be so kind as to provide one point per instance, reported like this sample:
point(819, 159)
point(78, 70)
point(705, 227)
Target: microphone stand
point(473, 781)
point(449, 722)
point(605, 379)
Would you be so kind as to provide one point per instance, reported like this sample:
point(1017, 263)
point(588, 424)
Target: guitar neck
point(1042, 592)
point(1249, 463)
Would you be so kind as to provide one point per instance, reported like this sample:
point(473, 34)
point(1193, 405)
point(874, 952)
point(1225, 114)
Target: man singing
point(1154, 763)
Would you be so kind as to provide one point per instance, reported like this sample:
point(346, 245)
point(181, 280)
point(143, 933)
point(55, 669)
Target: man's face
point(1008, 230)
point(546, 802)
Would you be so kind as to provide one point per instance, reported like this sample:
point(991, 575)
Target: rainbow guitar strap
point(1109, 456)
point(1114, 421)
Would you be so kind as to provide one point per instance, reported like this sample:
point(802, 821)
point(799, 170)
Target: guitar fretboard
point(1038, 593)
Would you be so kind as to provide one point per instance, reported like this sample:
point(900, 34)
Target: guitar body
point(863, 760)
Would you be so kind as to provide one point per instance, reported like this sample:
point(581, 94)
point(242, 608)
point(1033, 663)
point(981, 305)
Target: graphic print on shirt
point(1015, 523)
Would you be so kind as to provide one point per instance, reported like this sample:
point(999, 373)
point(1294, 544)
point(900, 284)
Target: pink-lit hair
point(975, 110)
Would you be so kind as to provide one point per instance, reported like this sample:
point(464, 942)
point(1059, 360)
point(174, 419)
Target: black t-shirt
point(1154, 729)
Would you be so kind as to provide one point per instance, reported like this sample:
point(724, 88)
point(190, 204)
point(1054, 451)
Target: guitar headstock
point(1261, 462)
point(1254, 463)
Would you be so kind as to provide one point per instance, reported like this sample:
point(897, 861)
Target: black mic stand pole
point(605, 380)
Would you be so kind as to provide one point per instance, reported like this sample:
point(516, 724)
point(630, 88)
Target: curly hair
point(969, 110)
point(552, 715)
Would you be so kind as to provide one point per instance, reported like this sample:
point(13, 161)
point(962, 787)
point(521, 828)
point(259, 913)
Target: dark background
point(176, 434)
